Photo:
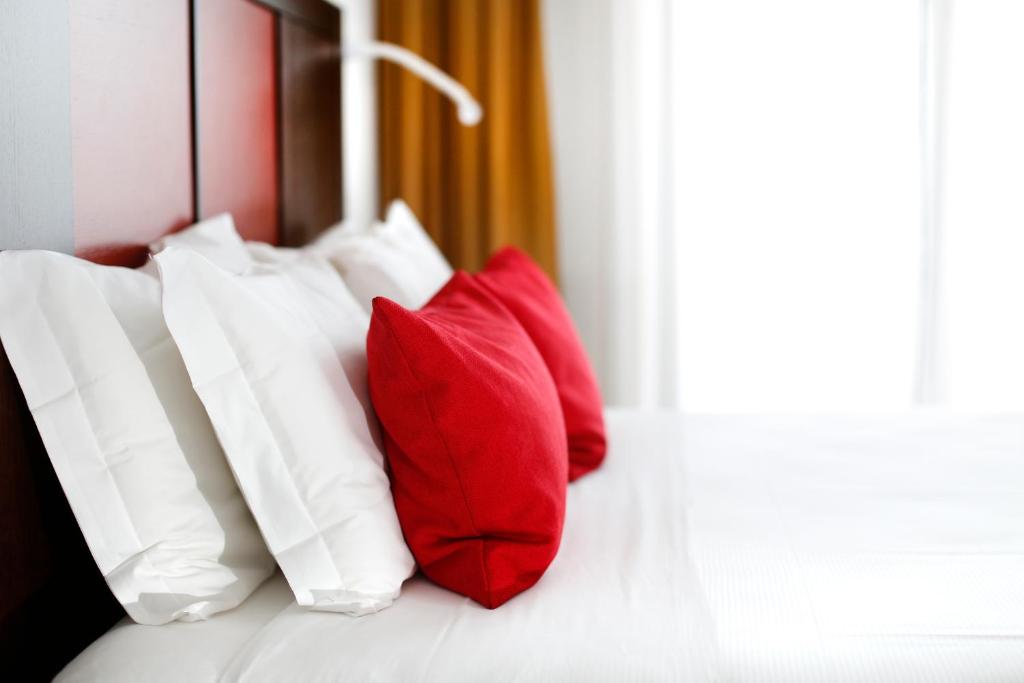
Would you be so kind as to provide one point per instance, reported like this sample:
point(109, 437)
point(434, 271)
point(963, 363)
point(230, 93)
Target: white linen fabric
point(328, 300)
point(861, 549)
point(179, 652)
point(265, 358)
point(395, 259)
point(748, 549)
point(130, 442)
point(215, 238)
point(335, 311)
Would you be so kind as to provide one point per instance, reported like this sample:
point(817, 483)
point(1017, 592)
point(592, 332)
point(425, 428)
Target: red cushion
point(522, 286)
point(474, 438)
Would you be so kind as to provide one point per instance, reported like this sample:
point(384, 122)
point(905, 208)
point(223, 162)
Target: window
point(808, 204)
point(797, 199)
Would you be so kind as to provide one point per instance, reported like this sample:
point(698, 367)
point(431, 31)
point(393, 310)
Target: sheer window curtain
point(797, 205)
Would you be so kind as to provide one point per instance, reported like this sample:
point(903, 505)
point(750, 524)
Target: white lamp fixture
point(468, 109)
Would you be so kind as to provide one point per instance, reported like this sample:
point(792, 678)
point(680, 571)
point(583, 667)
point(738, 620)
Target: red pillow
point(522, 286)
point(474, 438)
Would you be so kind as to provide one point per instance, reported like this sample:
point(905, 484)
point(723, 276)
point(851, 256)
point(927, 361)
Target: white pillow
point(129, 440)
point(263, 353)
point(215, 238)
point(339, 316)
point(395, 259)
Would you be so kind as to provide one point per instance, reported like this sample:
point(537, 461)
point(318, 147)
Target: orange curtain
point(474, 189)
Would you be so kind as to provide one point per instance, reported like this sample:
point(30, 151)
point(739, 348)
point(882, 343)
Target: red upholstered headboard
point(166, 111)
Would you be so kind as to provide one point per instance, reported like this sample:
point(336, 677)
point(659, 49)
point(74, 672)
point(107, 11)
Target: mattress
point(733, 548)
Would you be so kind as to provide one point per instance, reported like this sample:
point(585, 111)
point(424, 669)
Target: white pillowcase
point(129, 440)
point(339, 316)
point(265, 351)
point(215, 238)
point(395, 259)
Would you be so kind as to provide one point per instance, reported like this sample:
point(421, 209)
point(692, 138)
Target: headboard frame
point(154, 114)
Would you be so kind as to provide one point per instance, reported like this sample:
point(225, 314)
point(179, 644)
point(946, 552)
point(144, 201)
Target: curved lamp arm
point(468, 109)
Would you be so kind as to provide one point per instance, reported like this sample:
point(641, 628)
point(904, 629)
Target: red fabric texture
point(515, 280)
point(474, 438)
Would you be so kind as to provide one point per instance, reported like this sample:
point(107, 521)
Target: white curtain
point(793, 205)
point(982, 203)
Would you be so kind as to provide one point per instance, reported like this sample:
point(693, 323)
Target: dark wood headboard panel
point(159, 112)
point(236, 115)
point(192, 108)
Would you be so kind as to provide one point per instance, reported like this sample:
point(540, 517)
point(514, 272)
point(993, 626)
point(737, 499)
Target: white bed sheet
point(861, 549)
point(708, 548)
point(178, 651)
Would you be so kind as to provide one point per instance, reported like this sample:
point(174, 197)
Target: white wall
point(36, 209)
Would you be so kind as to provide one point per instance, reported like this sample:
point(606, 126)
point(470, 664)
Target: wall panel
point(131, 136)
point(237, 120)
point(310, 132)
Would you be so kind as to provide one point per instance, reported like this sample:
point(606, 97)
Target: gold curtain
point(474, 189)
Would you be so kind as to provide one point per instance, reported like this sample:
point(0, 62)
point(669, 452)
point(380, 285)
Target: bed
point(707, 548)
point(732, 548)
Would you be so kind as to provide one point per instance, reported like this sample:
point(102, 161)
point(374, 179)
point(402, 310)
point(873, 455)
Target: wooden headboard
point(121, 121)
